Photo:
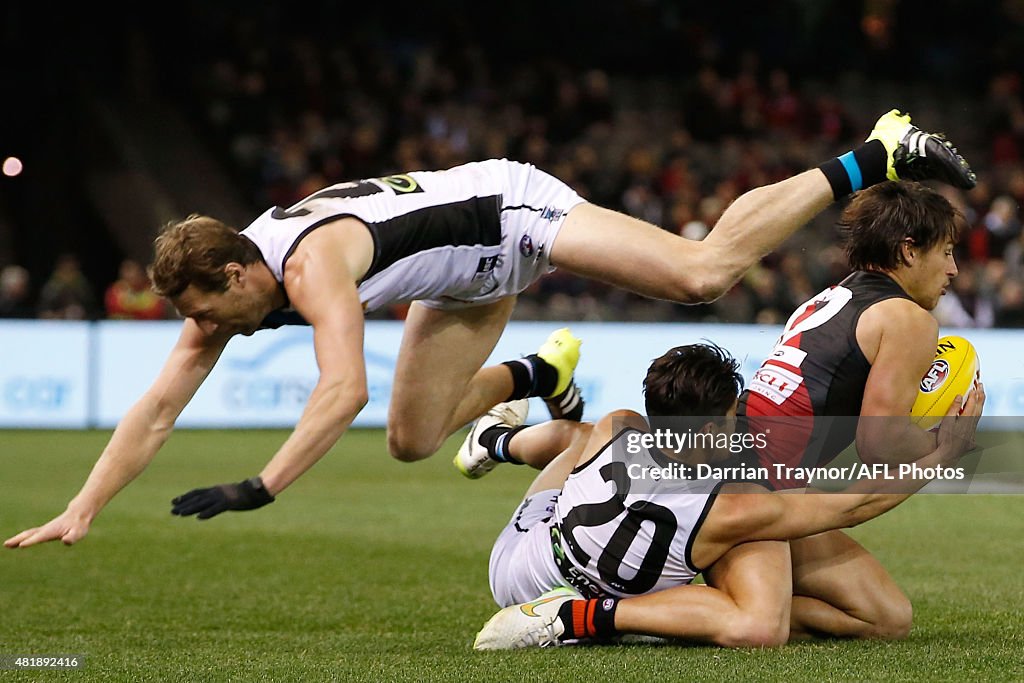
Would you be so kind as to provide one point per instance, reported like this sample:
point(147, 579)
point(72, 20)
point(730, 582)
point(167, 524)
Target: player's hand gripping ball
point(955, 370)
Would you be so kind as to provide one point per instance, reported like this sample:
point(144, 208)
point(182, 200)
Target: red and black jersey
point(816, 370)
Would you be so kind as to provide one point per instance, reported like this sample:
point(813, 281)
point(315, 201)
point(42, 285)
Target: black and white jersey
point(466, 235)
point(624, 528)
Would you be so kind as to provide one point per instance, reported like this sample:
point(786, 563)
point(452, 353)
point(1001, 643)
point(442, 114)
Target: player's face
point(233, 311)
point(931, 275)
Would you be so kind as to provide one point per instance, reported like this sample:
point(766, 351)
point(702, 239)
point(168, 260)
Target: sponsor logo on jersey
point(790, 355)
point(551, 214)
point(577, 578)
point(526, 246)
point(485, 266)
point(935, 376)
point(402, 184)
point(775, 384)
point(487, 273)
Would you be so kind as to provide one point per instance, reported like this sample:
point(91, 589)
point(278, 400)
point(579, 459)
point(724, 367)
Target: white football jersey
point(467, 235)
point(625, 531)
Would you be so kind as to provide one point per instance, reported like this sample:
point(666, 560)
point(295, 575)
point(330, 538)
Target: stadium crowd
point(289, 114)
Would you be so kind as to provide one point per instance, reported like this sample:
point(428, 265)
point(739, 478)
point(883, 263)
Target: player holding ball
point(858, 349)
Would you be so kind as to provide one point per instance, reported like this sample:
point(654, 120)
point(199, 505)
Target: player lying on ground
point(460, 244)
point(612, 551)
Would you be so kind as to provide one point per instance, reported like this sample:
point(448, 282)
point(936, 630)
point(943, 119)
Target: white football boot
point(531, 624)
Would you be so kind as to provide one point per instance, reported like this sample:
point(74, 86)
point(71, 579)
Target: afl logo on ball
point(935, 376)
point(526, 246)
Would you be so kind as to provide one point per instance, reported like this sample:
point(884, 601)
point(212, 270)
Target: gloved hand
point(246, 495)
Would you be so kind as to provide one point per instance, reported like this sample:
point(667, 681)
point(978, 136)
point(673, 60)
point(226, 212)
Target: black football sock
point(863, 167)
point(496, 440)
point(531, 376)
point(588, 618)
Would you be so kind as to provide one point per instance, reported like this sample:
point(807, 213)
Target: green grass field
point(373, 570)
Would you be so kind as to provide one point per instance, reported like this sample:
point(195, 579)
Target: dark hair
point(194, 252)
point(692, 380)
point(877, 221)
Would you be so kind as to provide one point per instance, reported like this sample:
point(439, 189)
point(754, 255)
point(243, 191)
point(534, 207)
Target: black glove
point(246, 495)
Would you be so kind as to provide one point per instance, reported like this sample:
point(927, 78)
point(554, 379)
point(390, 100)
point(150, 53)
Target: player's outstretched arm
point(326, 296)
point(956, 437)
point(782, 516)
point(138, 437)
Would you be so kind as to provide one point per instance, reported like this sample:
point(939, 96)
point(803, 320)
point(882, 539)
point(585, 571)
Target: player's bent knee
point(405, 454)
point(409, 449)
point(895, 621)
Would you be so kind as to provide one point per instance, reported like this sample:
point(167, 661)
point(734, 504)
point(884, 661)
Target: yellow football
point(954, 371)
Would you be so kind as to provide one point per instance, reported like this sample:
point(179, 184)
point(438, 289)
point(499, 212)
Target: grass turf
point(371, 570)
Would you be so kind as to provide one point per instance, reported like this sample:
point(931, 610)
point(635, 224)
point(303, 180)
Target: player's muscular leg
point(745, 604)
point(555, 446)
point(439, 386)
point(840, 589)
point(627, 252)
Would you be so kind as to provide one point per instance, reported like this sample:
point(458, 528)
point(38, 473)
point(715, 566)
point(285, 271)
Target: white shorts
point(522, 566)
point(533, 208)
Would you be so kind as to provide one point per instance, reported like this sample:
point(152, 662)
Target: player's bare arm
point(137, 438)
point(326, 296)
point(320, 283)
point(745, 512)
point(898, 337)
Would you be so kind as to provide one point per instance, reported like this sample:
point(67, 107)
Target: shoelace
point(543, 636)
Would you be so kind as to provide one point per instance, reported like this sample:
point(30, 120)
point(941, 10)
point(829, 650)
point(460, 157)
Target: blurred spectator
point(783, 108)
point(1013, 255)
point(1005, 118)
point(67, 294)
point(130, 297)
point(796, 279)
point(1010, 304)
point(771, 305)
point(15, 301)
point(1002, 223)
point(966, 304)
point(737, 306)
